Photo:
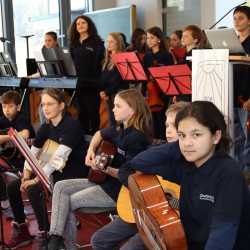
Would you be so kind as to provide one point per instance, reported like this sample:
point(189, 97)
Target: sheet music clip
point(173, 80)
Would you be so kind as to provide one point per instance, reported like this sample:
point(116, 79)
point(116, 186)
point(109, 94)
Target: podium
point(212, 80)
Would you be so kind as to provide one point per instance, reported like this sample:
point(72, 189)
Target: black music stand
point(129, 66)
point(173, 80)
point(31, 67)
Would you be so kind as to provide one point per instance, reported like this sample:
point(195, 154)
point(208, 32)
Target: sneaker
point(20, 236)
point(56, 243)
point(40, 241)
point(5, 204)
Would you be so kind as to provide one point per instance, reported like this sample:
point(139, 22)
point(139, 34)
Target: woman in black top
point(241, 86)
point(66, 162)
point(87, 50)
point(157, 55)
point(110, 80)
point(214, 197)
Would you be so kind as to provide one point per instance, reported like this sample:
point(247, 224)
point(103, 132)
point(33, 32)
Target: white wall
point(148, 12)
point(103, 4)
point(207, 13)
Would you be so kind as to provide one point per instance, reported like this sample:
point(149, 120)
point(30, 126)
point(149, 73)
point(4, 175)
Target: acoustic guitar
point(158, 223)
point(36, 163)
point(104, 156)
point(8, 149)
point(124, 206)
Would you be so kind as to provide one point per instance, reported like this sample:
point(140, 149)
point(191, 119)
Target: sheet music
point(29, 156)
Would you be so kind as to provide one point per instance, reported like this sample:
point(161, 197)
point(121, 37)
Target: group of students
point(214, 197)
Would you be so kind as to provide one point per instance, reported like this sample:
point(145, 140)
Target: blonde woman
point(111, 81)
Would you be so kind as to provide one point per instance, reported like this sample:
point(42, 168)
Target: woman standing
point(157, 55)
point(111, 81)
point(87, 50)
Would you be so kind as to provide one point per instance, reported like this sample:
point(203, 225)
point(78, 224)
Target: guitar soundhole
point(103, 160)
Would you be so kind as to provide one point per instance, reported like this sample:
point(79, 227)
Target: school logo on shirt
point(120, 151)
point(207, 197)
point(89, 48)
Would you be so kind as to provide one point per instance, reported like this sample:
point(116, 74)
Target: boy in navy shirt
point(10, 102)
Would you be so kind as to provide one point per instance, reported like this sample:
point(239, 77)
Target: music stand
point(129, 66)
point(173, 80)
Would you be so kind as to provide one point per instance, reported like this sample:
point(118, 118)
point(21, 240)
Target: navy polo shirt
point(129, 143)
point(213, 193)
point(87, 57)
point(157, 59)
point(69, 133)
point(19, 123)
point(111, 82)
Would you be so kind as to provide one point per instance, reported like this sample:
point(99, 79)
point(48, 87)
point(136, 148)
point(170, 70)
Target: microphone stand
point(211, 27)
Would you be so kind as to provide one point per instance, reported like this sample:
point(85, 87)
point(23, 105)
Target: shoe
point(20, 236)
point(40, 241)
point(5, 204)
point(56, 243)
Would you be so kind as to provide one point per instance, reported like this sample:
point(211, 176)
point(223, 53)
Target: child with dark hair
point(176, 47)
point(138, 42)
point(157, 55)
point(113, 234)
point(10, 102)
point(214, 197)
point(241, 19)
point(66, 162)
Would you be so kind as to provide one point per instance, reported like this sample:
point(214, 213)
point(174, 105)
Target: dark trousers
point(3, 195)
point(36, 197)
point(113, 234)
point(159, 124)
point(89, 103)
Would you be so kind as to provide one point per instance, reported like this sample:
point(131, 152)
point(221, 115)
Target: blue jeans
point(241, 136)
point(113, 234)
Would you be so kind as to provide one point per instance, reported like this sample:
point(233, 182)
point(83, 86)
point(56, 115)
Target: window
point(1, 29)
point(33, 17)
point(179, 13)
point(78, 7)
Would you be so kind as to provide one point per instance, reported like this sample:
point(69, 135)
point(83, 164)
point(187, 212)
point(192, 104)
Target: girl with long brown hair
point(131, 136)
point(110, 80)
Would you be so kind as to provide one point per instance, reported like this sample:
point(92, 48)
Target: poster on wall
point(210, 77)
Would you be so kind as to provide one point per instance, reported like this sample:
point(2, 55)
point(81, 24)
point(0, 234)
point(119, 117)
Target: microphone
point(226, 15)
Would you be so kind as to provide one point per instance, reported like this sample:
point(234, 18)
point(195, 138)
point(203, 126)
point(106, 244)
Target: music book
point(30, 157)
point(174, 79)
point(129, 66)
